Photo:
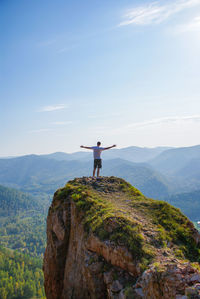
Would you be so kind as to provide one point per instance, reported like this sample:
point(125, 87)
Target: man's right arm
point(87, 147)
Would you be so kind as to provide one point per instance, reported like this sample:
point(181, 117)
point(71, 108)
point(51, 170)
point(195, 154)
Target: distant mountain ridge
point(191, 170)
point(173, 160)
point(39, 174)
point(131, 153)
point(175, 169)
point(172, 171)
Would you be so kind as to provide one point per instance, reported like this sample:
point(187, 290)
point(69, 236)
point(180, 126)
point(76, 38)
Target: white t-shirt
point(97, 151)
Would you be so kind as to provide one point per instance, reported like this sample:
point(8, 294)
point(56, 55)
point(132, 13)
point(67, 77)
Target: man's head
point(98, 143)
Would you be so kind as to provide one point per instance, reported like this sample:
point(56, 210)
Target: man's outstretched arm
point(87, 147)
point(106, 148)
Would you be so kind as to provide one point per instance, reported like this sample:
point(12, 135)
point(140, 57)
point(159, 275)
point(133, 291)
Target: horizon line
point(70, 153)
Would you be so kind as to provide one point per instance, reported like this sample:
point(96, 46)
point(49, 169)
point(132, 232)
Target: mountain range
point(176, 160)
point(37, 174)
point(160, 172)
point(131, 153)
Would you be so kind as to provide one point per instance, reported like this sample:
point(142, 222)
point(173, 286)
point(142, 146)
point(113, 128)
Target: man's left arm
point(109, 147)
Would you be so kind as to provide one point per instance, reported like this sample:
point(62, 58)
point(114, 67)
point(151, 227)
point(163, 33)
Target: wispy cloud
point(104, 115)
point(52, 129)
point(53, 108)
point(158, 121)
point(193, 25)
point(39, 130)
point(62, 123)
point(155, 13)
point(176, 120)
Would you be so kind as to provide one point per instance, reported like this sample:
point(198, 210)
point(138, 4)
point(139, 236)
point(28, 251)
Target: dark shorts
point(97, 163)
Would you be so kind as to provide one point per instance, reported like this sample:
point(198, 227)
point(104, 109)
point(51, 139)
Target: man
point(97, 156)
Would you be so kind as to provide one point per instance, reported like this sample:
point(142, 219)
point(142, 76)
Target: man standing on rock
point(97, 156)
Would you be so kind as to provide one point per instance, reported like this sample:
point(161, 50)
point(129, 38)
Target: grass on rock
point(114, 210)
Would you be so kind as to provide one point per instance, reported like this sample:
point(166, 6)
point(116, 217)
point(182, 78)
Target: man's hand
point(114, 145)
point(82, 146)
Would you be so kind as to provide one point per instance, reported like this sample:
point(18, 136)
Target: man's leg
point(98, 170)
point(94, 170)
point(99, 165)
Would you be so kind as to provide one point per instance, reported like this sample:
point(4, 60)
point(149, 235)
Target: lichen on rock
point(105, 239)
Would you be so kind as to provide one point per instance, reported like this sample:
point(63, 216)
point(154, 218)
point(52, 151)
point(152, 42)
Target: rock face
point(106, 240)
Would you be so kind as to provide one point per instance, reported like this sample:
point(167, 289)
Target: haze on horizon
point(73, 73)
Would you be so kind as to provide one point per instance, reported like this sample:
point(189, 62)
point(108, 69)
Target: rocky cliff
point(106, 240)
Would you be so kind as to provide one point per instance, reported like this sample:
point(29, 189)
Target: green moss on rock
point(114, 210)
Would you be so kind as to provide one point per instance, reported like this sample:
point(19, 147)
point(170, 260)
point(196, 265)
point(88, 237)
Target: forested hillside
point(22, 230)
point(13, 201)
point(189, 203)
point(22, 221)
point(21, 276)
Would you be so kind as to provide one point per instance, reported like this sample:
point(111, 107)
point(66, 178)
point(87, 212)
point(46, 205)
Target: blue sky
point(74, 72)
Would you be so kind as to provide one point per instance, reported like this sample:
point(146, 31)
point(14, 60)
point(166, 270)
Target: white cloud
point(155, 13)
point(193, 25)
point(171, 120)
point(53, 108)
point(62, 123)
point(163, 120)
point(104, 115)
point(39, 130)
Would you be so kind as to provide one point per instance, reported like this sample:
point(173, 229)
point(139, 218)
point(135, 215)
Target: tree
point(3, 293)
point(29, 291)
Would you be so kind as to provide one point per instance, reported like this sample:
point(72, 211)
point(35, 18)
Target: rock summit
point(105, 239)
